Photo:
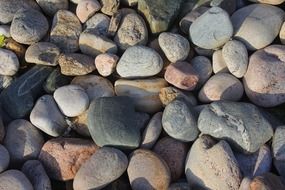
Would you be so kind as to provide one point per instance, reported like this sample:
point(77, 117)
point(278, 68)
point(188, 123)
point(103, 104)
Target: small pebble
point(50, 7)
point(4, 159)
point(98, 24)
point(203, 66)
point(86, 9)
point(9, 63)
point(219, 64)
point(106, 63)
point(14, 180)
point(109, 7)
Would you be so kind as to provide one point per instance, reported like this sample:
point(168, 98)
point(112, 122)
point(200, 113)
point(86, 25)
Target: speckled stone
point(86, 9)
point(98, 24)
point(106, 63)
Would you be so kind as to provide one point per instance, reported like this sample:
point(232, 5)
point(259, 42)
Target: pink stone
point(86, 9)
point(106, 63)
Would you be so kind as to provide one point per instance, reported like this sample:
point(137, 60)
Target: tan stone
point(106, 63)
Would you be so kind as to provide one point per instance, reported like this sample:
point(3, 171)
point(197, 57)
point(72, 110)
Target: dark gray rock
point(4, 158)
point(2, 129)
point(227, 5)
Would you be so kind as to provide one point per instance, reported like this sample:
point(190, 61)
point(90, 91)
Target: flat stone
point(212, 29)
point(98, 24)
point(47, 117)
point(148, 171)
point(65, 31)
point(278, 150)
point(29, 26)
point(112, 121)
point(35, 172)
point(4, 159)
point(257, 25)
point(109, 7)
point(144, 92)
point(50, 7)
point(86, 9)
point(23, 141)
point(18, 98)
point(43, 53)
point(103, 167)
point(267, 181)
point(159, 14)
point(212, 165)
point(73, 64)
point(139, 61)
point(203, 67)
point(14, 180)
point(179, 121)
point(71, 99)
point(106, 63)
point(63, 157)
point(241, 124)
point(219, 63)
point(9, 63)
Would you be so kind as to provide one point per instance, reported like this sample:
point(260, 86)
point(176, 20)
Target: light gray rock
point(5, 30)
point(203, 67)
point(98, 24)
point(278, 150)
point(219, 64)
point(14, 180)
point(9, 63)
point(50, 7)
point(4, 158)
point(5, 81)
point(139, 61)
point(86, 9)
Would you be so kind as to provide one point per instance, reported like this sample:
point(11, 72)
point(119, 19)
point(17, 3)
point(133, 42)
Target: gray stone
point(47, 117)
point(241, 124)
point(98, 24)
point(43, 53)
point(29, 26)
point(105, 166)
point(203, 67)
point(175, 47)
point(179, 121)
point(5, 81)
point(4, 158)
point(219, 64)
point(5, 30)
point(14, 180)
point(36, 173)
point(9, 63)
point(50, 7)
point(112, 121)
point(65, 31)
point(109, 7)
point(179, 186)
point(86, 9)
point(278, 150)
point(23, 141)
point(227, 5)
point(212, 29)
point(18, 98)
point(139, 61)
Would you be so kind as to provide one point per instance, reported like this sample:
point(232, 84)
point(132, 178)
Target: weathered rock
point(241, 124)
point(14, 180)
point(65, 31)
point(98, 24)
point(109, 7)
point(203, 67)
point(219, 64)
point(267, 181)
point(4, 159)
point(86, 9)
point(278, 150)
point(9, 63)
point(62, 157)
point(106, 63)
point(50, 7)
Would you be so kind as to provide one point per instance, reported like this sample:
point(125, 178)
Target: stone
point(109, 7)
point(174, 153)
point(9, 63)
point(139, 61)
point(245, 183)
point(14, 180)
point(93, 44)
point(159, 14)
point(219, 63)
point(112, 121)
point(95, 86)
point(282, 34)
point(43, 53)
point(47, 117)
point(2, 129)
point(212, 29)
point(5, 81)
point(212, 165)
point(272, 2)
point(228, 5)
point(152, 131)
point(131, 31)
point(148, 171)
point(18, 98)
point(179, 186)
point(181, 75)
point(130, 3)
point(168, 94)
point(257, 25)
point(179, 121)
point(5, 30)
point(65, 31)
point(29, 26)
point(80, 124)
point(266, 65)
point(203, 67)
point(74, 64)
point(144, 92)
point(175, 47)
point(86, 9)
point(235, 56)
point(35, 172)
point(71, 99)
point(63, 157)
point(278, 150)
point(255, 164)
point(23, 141)
point(267, 181)
point(8, 8)
point(103, 167)
point(17, 48)
point(241, 124)
point(50, 7)
point(221, 86)
point(98, 24)
point(4, 159)
point(106, 63)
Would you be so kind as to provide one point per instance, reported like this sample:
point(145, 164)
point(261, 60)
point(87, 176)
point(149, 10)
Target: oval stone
point(106, 63)
point(86, 9)
point(14, 180)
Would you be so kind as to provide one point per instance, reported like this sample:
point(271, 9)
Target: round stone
point(86, 9)
point(212, 29)
point(9, 63)
point(236, 57)
point(175, 47)
point(62, 157)
point(139, 61)
point(72, 100)
point(105, 166)
point(222, 86)
point(148, 171)
point(43, 53)
point(219, 64)
point(4, 159)
point(14, 180)
point(50, 7)
point(29, 26)
point(98, 24)
point(179, 121)
point(203, 67)
point(132, 31)
point(109, 7)
point(268, 66)
point(257, 25)
point(23, 141)
point(106, 63)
